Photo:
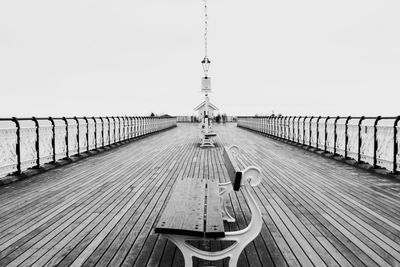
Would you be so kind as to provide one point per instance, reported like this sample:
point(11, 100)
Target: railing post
point(294, 118)
point(121, 128)
point(95, 132)
point(396, 145)
point(78, 135)
point(53, 142)
point(304, 130)
point(18, 146)
point(115, 136)
point(298, 130)
point(87, 134)
point(346, 137)
point(37, 144)
point(376, 140)
point(359, 139)
point(326, 132)
point(286, 127)
point(317, 141)
point(309, 138)
point(109, 130)
point(102, 131)
point(66, 136)
point(130, 127)
point(335, 135)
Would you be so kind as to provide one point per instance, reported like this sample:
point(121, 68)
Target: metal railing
point(31, 142)
point(373, 140)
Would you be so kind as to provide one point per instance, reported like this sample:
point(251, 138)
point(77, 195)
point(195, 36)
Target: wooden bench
point(197, 210)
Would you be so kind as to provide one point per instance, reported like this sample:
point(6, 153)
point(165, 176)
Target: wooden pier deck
point(101, 210)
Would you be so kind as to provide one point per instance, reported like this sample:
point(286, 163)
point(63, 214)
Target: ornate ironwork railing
point(31, 142)
point(373, 140)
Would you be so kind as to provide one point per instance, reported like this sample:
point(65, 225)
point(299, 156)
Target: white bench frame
point(251, 177)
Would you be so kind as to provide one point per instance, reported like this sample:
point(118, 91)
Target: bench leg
point(224, 189)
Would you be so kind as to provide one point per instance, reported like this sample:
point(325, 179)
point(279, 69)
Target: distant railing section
point(31, 142)
point(373, 140)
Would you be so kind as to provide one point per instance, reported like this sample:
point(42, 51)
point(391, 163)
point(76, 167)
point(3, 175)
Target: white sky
point(309, 57)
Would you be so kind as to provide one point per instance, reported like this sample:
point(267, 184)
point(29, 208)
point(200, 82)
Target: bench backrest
point(234, 172)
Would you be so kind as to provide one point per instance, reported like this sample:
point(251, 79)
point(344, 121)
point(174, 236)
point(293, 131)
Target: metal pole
point(78, 134)
point(317, 141)
point(115, 136)
point(309, 139)
point(298, 130)
point(304, 130)
point(376, 140)
point(18, 145)
point(396, 144)
point(95, 132)
point(37, 144)
point(326, 132)
point(335, 135)
point(87, 134)
point(54, 138)
point(359, 139)
point(109, 130)
point(102, 131)
point(346, 136)
point(66, 136)
point(294, 118)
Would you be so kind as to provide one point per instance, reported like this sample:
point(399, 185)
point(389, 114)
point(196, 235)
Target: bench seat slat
point(184, 213)
point(214, 221)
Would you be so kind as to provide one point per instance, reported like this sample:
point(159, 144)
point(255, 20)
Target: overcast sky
point(309, 57)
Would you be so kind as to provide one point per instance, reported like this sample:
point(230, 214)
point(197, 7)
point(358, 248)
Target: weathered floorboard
point(102, 209)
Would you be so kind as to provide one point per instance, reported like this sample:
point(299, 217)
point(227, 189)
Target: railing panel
point(385, 146)
point(60, 142)
point(106, 132)
point(314, 129)
point(290, 122)
point(286, 128)
point(341, 137)
point(367, 144)
point(45, 142)
point(353, 143)
point(72, 137)
point(330, 139)
point(321, 134)
point(296, 129)
point(307, 130)
point(91, 134)
point(82, 136)
point(300, 134)
point(28, 145)
point(99, 132)
point(112, 129)
point(8, 151)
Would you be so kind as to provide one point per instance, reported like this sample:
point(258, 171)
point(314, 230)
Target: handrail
point(19, 157)
point(377, 142)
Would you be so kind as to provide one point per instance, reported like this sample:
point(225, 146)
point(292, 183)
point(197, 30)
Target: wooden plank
point(184, 213)
point(214, 222)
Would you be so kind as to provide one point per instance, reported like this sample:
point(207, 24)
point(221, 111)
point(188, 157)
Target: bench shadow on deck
point(102, 210)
